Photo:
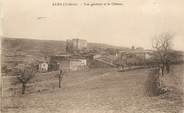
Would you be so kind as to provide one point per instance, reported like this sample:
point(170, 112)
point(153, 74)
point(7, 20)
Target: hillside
point(104, 46)
point(32, 46)
point(12, 46)
point(16, 50)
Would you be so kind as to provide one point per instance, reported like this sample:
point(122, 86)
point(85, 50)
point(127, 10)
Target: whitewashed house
point(43, 67)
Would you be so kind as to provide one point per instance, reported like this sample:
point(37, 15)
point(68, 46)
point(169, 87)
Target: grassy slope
point(97, 91)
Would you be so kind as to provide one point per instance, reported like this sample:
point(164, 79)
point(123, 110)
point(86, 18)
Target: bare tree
point(24, 75)
point(162, 46)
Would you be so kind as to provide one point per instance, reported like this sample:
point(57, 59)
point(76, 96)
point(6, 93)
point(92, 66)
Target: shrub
point(154, 85)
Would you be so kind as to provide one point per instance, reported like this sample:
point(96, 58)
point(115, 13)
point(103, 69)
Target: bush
point(154, 84)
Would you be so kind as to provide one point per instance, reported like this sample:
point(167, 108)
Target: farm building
point(134, 57)
point(67, 63)
point(78, 64)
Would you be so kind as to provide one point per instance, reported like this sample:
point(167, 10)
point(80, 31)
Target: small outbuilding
point(43, 67)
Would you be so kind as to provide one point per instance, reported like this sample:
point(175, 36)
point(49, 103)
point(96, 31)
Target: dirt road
point(110, 92)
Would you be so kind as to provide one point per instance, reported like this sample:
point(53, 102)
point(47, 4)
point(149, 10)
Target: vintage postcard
point(92, 56)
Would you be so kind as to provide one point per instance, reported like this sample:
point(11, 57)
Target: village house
point(68, 63)
point(43, 67)
point(78, 64)
point(43, 64)
point(134, 57)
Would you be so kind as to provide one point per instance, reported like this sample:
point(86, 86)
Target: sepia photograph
point(92, 56)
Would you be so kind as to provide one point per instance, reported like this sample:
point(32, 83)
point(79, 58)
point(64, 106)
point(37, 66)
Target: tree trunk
point(167, 67)
point(60, 77)
point(59, 81)
point(23, 88)
point(162, 68)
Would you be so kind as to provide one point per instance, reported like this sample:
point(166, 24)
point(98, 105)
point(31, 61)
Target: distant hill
point(17, 48)
point(44, 47)
point(33, 46)
point(105, 46)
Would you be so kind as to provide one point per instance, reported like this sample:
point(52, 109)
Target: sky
point(135, 22)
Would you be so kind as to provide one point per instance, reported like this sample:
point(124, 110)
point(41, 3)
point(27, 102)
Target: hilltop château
point(76, 44)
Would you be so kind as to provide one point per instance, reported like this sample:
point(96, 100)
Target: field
point(99, 91)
